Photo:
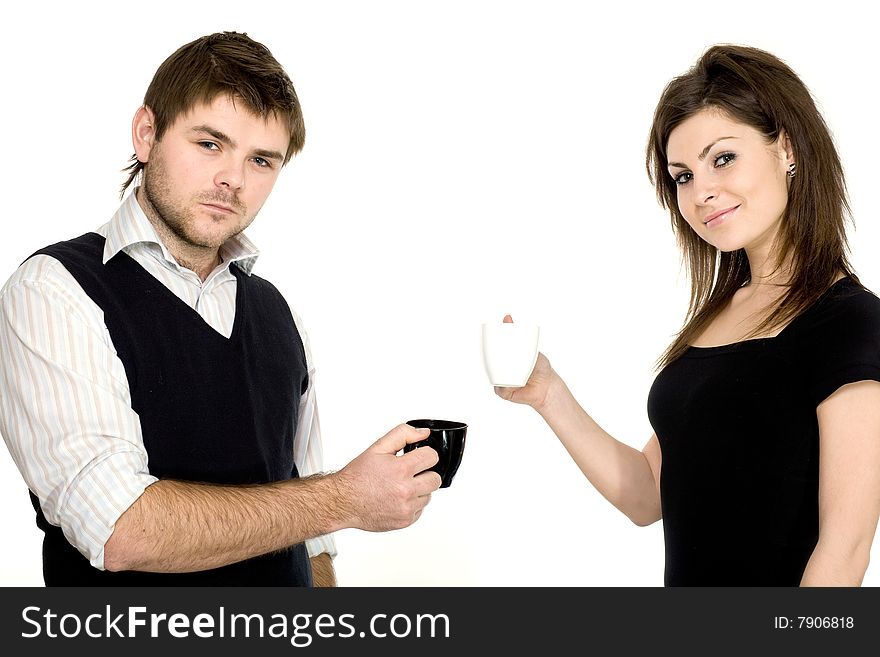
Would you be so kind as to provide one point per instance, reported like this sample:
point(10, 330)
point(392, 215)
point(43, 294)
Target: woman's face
point(732, 185)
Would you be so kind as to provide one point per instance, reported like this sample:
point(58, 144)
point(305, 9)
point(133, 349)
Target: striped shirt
point(65, 404)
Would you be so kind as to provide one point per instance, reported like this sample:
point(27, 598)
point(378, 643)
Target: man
point(157, 397)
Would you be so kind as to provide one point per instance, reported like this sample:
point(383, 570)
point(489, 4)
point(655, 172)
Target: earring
point(792, 169)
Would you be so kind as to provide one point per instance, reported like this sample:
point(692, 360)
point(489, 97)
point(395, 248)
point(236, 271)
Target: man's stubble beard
point(180, 221)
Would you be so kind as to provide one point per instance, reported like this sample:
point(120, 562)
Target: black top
point(212, 409)
point(739, 437)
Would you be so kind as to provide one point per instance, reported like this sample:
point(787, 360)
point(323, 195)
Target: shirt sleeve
point(308, 453)
point(843, 345)
point(65, 407)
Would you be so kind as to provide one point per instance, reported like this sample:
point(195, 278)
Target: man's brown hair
point(229, 63)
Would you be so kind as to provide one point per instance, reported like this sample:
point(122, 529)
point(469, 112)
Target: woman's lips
point(717, 218)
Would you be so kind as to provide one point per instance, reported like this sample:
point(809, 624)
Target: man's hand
point(387, 491)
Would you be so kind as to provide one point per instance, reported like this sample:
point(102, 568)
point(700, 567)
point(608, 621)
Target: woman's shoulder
point(847, 308)
point(837, 340)
point(849, 296)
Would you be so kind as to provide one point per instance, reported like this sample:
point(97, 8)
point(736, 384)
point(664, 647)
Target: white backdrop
point(464, 159)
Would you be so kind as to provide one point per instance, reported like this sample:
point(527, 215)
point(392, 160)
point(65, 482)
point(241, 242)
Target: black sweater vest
point(212, 409)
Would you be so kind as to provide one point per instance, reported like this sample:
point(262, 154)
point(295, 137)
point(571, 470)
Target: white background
point(463, 160)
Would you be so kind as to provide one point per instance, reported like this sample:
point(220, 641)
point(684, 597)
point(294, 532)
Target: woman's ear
point(786, 152)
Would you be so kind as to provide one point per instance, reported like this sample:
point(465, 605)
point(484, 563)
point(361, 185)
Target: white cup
point(510, 351)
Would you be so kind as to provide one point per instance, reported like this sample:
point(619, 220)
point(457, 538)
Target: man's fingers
point(427, 483)
point(420, 459)
point(400, 436)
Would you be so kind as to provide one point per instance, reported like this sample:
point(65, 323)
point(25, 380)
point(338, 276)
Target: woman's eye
point(682, 178)
point(724, 159)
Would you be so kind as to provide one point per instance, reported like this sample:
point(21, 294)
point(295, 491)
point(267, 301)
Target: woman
point(766, 409)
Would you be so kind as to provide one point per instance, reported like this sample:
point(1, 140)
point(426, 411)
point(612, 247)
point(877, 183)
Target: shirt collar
point(130, 227)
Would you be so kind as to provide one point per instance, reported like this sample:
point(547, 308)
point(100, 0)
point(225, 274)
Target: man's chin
point(207, 244)
point(210, 239)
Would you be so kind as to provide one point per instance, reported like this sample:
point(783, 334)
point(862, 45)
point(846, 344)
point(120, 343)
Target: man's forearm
point(182, 527)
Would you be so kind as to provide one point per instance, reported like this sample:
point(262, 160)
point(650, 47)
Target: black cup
point(448, 439)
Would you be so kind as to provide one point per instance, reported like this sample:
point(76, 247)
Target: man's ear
point(143, 133)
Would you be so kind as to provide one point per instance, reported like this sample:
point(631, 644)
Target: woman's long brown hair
point(758, 89)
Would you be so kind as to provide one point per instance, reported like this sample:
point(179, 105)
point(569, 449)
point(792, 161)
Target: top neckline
point(760, 341)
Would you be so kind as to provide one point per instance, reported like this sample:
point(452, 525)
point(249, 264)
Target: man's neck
point(201, 270)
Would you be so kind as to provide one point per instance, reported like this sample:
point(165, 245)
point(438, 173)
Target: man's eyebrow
point(223, 138)
point(216, 134)
point(269, 155)
point(702, 155)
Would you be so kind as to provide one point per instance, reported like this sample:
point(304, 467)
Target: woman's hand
point(536, 390)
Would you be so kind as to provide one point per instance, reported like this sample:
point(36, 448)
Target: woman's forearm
point(619, 472)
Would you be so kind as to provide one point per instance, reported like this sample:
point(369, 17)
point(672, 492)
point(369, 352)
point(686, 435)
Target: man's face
point(212, 171)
